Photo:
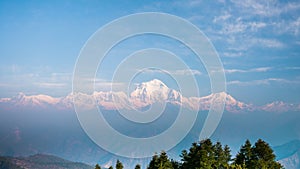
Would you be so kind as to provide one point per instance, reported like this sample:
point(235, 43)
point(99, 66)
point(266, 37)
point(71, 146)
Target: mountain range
point(288, 154)
point(49, 125)
point(40, 161)
point(145, 94)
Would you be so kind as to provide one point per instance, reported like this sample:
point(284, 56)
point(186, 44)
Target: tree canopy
point(207, 155)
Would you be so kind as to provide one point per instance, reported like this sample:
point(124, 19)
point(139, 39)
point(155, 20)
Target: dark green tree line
point(206, 155)
point(259, 156)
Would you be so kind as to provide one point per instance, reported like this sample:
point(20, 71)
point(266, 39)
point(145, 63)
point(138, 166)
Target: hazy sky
point(258, 43)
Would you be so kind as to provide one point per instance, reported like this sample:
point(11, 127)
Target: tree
point(227, 155)
point(244, 157)
point(175, 164)
point(259, 156)
point(160, 162)
point(200, 156)
point(263, 156)
point(119, 165)
point(137, 166)
point(110, 167)
point(97, 166)
point(153, 162)
point(222, 156)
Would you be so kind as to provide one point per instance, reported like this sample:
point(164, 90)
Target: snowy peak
point(154, 90)
point(145, 94)
point(35, 100)
point(280, 106)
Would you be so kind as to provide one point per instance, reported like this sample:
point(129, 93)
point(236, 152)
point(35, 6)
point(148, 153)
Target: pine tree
point(110, 167)
point(200, 156)
point(160, 162)
point(259, 156)
point(244, 157)
point(227, 155)
point(263, 156)
point(119, 165)
point(153, 162)
point(137, 166)
point(222, 156)
point(175, 164)
point(97, 166)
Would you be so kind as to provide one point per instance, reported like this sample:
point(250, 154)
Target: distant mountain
point(289, 154)
point(40, 161)
point(145, 94)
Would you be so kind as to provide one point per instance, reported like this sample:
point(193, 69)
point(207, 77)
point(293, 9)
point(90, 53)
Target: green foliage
point(110, 167)
point(206, 155)
point(244, 157)
point(137, 166)
point(175, 164)
point(259, 156)
point(160, 162)
point(97, 166)
point(119, 165)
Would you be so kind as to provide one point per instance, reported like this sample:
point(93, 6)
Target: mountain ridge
point(145, 94)
point(288, 154)
point(40, 161)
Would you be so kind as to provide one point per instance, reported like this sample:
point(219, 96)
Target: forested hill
point(40, 161)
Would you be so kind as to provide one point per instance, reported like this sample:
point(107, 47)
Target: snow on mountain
point(32, 101)
point(153, 91)
point(150, 92)
point(279, 107)
point(145, 94)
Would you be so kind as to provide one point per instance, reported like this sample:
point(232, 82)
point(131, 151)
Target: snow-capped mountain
point(153, 91)
point(145, 94)
point(280, 106)
point(32, 101)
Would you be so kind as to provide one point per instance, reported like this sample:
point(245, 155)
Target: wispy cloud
point(288, 26)
point(222, 17)
point(260, 69)
point(238, 25)
point(271, 43)
point(187, 72)
point(50, 85)
point(182, 72)
point(187, 4)
point(267, 81)
point(263, 8)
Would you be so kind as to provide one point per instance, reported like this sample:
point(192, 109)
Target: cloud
point(187, 72)
point(238, 25)
point(182, 72)
point(263, 8)
point(267, 8)
point(101, 83)
point(271, 43)
point(187, 4)
point(232, 54)
point(50, 85)
point(260, 69)
point(292, 27)
point(223, 17)
point(267, 81)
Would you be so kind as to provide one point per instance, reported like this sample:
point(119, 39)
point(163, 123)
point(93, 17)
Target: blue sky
point(258, 43)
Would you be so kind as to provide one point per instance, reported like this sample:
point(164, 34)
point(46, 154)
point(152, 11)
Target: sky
point(258, 44)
